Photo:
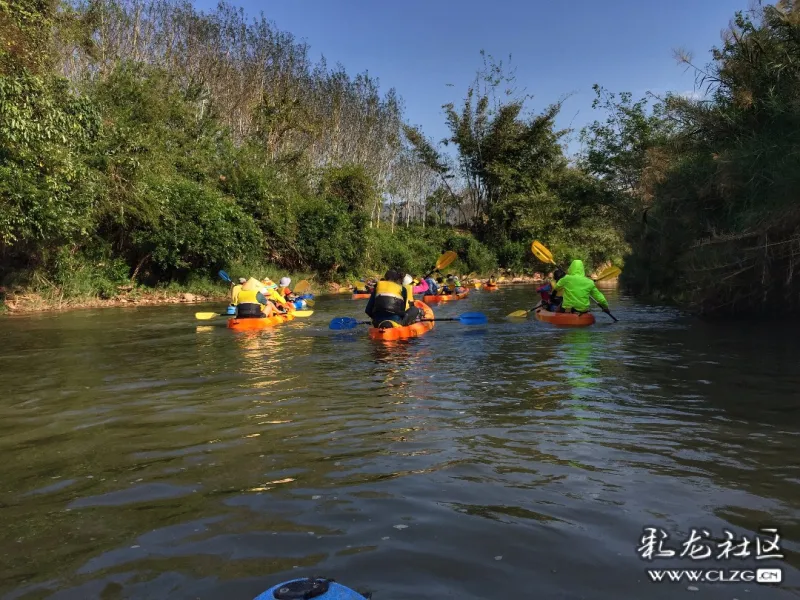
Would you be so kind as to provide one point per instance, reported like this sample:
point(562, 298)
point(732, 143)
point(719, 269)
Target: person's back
point(388, 300)
point(433, 287)
point(251, 303)
point(576, 290)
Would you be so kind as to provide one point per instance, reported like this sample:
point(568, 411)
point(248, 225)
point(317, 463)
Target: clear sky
point(558, 46)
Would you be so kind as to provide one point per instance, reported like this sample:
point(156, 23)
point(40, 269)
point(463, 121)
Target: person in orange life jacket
point(283, 289)
point(389, 301)
point(551, 299)
point(251, 303)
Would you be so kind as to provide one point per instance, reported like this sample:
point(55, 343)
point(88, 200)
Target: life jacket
point(390, 298)
point(285, 291)
point(235, 293)
point(409, 295)
point(248, 305)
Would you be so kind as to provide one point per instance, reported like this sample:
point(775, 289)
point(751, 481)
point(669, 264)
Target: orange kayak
point(409, 331)
point(361, 296)
point(487, 286)
point(446, 298)
point(253, 324)
point(565, 319)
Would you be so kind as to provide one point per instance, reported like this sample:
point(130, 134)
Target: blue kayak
point(306, 297)
point(322, 589)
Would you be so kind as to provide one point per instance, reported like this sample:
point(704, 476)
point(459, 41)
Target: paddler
point(361, 287)
point(492, 281)
point(454, 285)
point(433, 287)
point(235, 289)
point(414, 286)
point(251, 303)
point(577, 289)
point(389, 302)
point(284, 289)
point(271, 292)
point(551, 299)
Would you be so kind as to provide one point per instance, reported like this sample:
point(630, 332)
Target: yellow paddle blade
point(301, 287)
point(204, 316)
point(519, 313)
point(446, 259)
point(541, 252)
point(609, 273)
point(477, 285)
point(310, 303)
point(303, 313)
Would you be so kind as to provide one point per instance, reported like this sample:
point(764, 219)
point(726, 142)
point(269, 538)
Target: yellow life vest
point(248, 297)
point(390, 297)
point(409, 296)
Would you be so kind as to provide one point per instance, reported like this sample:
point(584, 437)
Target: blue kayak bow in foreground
point(473, 318)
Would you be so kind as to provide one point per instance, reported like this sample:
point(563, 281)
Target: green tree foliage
point(721, 230)
point(145, 141)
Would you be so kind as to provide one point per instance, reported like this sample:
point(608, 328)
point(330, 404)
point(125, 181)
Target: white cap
point(285, 281)
point(407, 280)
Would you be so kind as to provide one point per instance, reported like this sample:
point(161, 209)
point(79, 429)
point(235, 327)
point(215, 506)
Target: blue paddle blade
point(224, 276)
point(343, 323)
point(474, 318)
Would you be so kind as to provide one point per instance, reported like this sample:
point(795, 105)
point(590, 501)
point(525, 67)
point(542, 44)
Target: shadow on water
point(148, 456)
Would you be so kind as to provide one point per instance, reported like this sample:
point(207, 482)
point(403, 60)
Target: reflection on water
point(148, 456)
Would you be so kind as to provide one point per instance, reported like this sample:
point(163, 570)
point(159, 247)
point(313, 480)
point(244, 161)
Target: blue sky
point(558, 47)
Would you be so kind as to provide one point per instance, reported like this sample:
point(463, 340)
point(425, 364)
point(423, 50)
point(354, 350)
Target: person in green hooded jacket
point(576, 289)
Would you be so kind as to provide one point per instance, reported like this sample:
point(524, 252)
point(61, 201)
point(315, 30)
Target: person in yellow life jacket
point(251, 303)
point(274, 296)
point(235, 289)
point(577, 289)
point(492, 280)
point(389, 302)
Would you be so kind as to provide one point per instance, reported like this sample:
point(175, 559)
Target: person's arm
point(598, 296)
point(422, 287)
point(370, 309)
point(262, 299)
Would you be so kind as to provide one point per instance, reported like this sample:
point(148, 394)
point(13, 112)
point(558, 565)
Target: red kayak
point(565, 319)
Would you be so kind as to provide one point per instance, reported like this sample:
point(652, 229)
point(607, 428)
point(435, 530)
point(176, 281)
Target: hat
point(242, 280)
point(268, 282)
point(285, 281)
point(252, 284)
point(407, 280)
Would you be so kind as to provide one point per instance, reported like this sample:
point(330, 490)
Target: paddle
point(205, 316)
point(543, 254)
point(224, 276)
point(445, 260)
point(474, 318)
point(302, 287)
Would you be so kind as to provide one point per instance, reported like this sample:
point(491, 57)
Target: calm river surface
point(145, 456)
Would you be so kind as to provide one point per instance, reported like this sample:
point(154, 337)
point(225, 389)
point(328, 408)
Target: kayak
point(361, 296)
point(488, 286)
point(409, 331)
point(565, 319)
point(298, 304)
point(305, 297)
point(446, 298)
point(319, 588)
point(252, 324)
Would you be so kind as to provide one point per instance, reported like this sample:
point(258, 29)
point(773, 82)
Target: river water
point(145, 456)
